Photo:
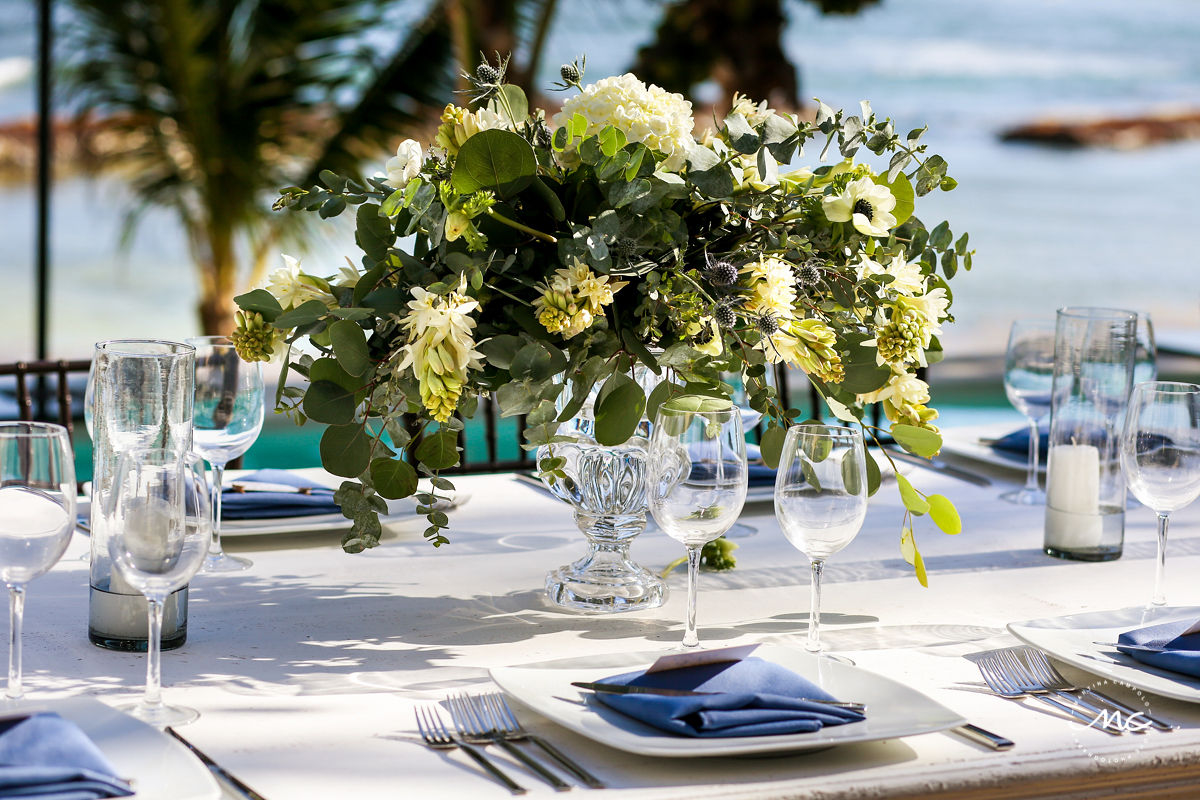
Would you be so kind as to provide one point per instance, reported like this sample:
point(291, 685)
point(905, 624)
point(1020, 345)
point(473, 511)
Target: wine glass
point(820, 499)
point(228, 418)
point(37, 516)
point(1145, 360)
point(697, 464)
point(750, 419)
point(1160, 455)
point(160, 518)
point(1028, 376)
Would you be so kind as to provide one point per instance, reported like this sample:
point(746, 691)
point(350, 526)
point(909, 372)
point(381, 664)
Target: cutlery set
point(1021, 672)
point(480, 720)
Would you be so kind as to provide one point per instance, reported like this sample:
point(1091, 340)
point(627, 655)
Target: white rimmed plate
point(158, 767)
point(893, 709)
point(1071, 639)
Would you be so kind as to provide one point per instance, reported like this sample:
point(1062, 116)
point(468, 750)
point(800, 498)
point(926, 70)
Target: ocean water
point(1051, 227)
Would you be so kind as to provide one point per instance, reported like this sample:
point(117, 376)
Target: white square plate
point(1072, 640)
point(893, 709)
point(158, 767)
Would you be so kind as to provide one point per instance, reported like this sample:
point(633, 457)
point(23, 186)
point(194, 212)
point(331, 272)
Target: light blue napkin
point(757, 698)
point(1172, 652)
point(49, 758)
point(271, 505)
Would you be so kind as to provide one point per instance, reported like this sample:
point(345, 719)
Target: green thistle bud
point(767, 324)
point(569, 74)
point(255, 338)
point(486, 73)
point(725, 315)
point(807, 276)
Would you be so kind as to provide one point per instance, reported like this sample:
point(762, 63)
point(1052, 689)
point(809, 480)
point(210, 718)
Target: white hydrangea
point(659, 119)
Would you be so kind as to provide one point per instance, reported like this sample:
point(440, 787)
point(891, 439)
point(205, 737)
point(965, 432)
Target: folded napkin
point(757, 698)
point(1173, 651)
point(49, 758)
point(1017, 442)
point(270, 505)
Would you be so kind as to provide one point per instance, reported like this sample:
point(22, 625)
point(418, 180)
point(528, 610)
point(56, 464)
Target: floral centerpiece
point(533, 258)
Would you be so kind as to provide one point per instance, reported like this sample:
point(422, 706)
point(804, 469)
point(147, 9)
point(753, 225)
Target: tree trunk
point(218, 270)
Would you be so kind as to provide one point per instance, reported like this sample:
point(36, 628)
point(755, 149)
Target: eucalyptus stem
point(512, 223)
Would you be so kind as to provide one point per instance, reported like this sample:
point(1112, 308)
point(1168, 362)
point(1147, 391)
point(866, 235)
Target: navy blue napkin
point(49, 758)
point(757, 473)
point(1017, 442)
point(757, 698)
point(1175, 652)
point(271, 505)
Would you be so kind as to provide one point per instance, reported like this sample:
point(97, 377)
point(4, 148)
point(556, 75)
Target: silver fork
point(1053, 679)
point(433, 731)
point(1000, 683)
point(1027, 681)
point(508, 726)
point(476, 728)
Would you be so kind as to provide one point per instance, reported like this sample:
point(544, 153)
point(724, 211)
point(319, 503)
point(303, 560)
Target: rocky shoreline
point(1122, 133)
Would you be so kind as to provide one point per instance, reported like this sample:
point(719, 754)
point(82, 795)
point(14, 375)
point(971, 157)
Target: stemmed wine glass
point(160, 519)
point(820, 499)
point(1028, 376)
point(37, 517)
point(1160, 455)
point(697, 465)
point(740, 397)
point(228, 418)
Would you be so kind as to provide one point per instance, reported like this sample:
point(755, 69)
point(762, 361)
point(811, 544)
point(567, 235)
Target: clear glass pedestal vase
point(607, 487)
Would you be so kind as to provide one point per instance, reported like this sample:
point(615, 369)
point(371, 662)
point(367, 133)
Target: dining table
point(307, 667)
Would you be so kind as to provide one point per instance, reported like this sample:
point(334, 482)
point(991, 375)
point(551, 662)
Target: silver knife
point(216, 769)
point(948, 470)
point(620, 688)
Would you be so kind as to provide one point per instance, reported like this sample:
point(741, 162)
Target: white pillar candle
point(1073, 496)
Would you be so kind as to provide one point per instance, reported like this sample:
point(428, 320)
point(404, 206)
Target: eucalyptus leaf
point(345, 450)
point(438, 450)
point(619, 410)
point(393, 478)
point(350, 346)
point(500, 350)
point(874, 477)
point(260, 301)
point(771, 445)
point(305, 314)
point(494, 159)
point(918, 441)
point(329, 403)
point(912, 500)
point(944, 514)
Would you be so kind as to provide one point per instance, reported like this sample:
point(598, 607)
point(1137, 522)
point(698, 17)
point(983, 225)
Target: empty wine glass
point(750, 420)
point(1028, 376)
point(820, 499)
point(160, 520)
point(1160, 456)
point(697, 466)
point(1145, 360)
point(37, 516)
point(228, 418)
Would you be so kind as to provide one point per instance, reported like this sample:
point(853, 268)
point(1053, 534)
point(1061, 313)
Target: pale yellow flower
point(906, 277)
point(754, 114)
point(904, 398)
point(574, 298)
point(659, 119)
point(460, 124)
point(292, 287)
point(440, 348)
point(772, 288)
point(864, 203)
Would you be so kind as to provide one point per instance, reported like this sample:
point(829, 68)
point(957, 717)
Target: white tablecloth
point(307, 667)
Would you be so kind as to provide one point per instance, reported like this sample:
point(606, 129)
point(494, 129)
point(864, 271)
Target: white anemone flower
point(291, 287)
point(864, 203)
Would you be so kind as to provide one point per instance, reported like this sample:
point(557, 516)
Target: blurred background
point(1072, 127)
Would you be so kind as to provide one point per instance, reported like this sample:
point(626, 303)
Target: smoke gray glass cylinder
point(140, 395)
point(1094, 351)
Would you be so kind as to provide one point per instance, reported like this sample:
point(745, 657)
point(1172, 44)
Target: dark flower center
point(864, 208)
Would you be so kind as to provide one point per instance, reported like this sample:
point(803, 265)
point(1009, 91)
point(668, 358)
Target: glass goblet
point(1160, 456)
point(820, 499)
point(697, 470)
point(1028, 375)
point(160, 520)
point(228, 418)
point(37, 517)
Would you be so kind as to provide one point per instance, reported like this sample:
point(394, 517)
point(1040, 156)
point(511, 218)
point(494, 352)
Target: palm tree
point(223, 102)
